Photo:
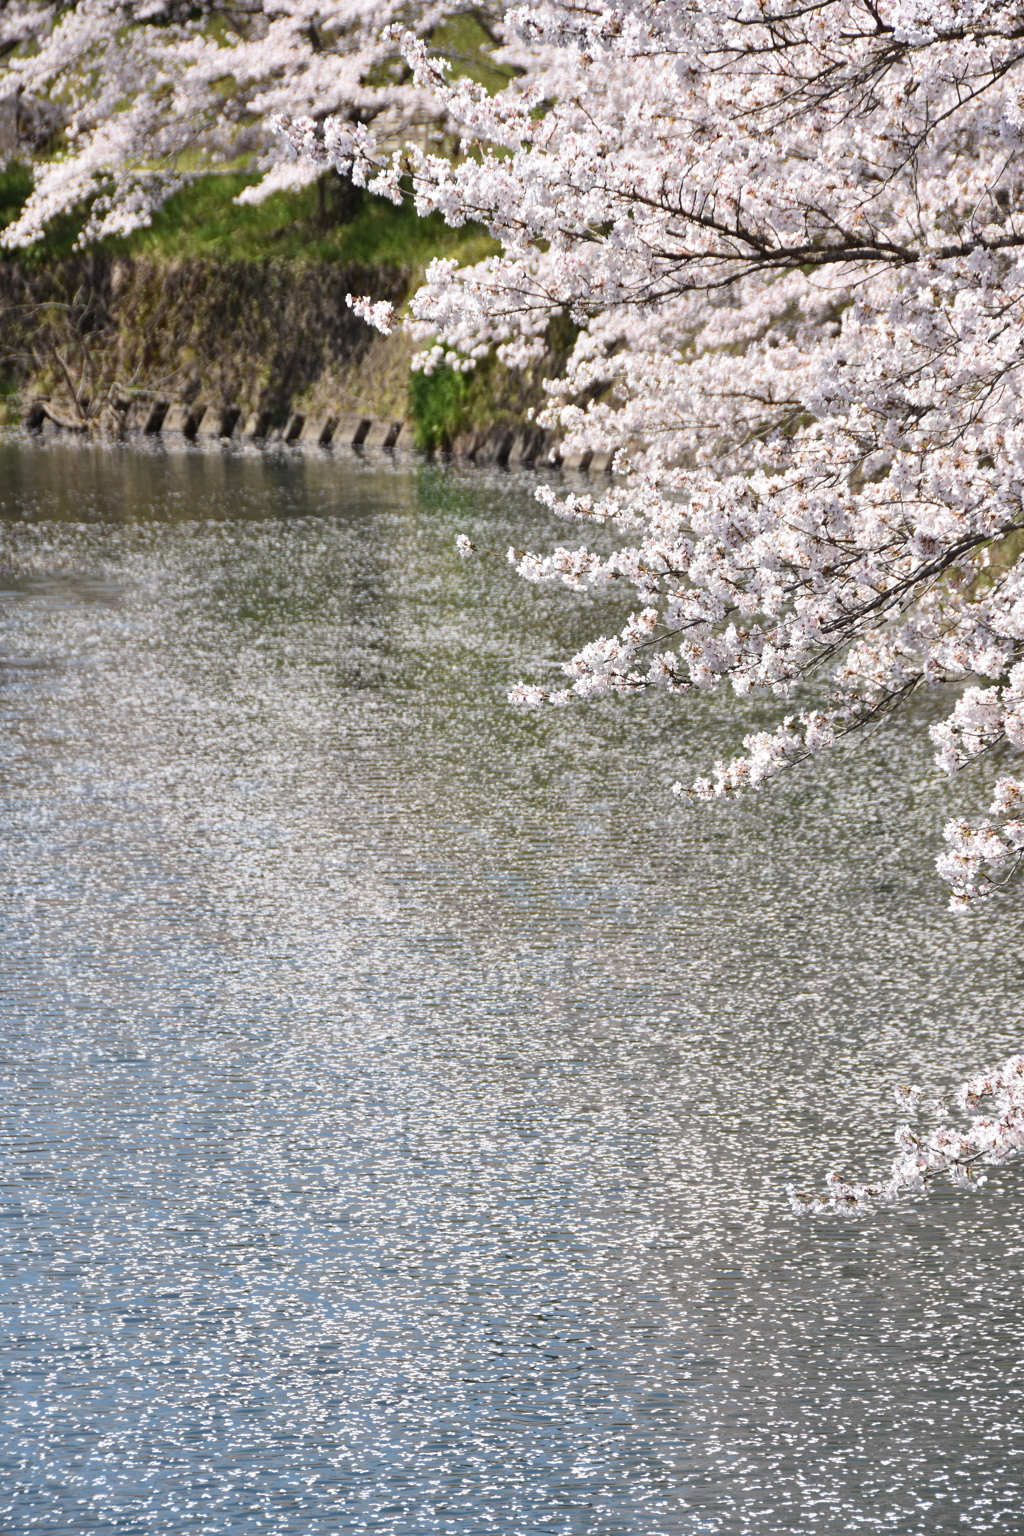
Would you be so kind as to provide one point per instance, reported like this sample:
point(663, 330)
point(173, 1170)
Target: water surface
point(399, 1089)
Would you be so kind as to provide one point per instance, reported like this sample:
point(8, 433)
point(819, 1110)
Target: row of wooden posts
point(494, 445)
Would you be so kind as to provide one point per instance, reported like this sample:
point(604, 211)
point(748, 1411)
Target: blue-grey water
point(399, 1090)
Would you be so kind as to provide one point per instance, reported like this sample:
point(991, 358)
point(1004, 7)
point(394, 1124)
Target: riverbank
point(242, 312)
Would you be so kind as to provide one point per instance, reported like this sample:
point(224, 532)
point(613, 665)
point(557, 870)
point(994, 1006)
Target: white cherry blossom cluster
point(154, 93)
point(380, 315)
point(959, 1153)
point(983, 855)
point(21, 21)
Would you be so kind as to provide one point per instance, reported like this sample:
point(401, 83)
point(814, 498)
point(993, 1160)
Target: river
point(400, 1089)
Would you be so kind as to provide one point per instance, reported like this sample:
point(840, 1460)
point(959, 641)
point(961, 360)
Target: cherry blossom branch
point(961, 1154)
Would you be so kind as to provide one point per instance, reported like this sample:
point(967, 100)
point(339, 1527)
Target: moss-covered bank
point(263, 335)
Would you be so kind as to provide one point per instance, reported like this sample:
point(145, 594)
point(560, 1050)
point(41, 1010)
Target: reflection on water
point(399, 1088)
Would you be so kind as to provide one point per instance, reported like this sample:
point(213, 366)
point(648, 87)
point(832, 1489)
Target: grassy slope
point(302, 232)
point(203, 220)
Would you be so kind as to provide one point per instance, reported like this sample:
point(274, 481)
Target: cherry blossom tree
point(791, 237)
point(152, 94)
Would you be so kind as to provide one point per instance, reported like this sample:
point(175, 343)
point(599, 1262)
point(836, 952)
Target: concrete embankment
point(153, 415)
point(174, 419)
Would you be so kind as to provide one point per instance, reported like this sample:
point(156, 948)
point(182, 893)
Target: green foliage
point(315, 226)
point(15, 186)
point(439, 403)
point(467, 44)
point(446, 404)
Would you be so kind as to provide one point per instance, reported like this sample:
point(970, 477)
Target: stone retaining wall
point(253, 335)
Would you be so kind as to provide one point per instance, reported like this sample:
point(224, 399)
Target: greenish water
point(399, 1089)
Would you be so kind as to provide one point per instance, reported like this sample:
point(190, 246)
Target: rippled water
point(400, 1089)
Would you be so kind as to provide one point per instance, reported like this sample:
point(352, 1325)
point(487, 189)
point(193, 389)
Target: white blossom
point(380, 315)
point(959, 1153)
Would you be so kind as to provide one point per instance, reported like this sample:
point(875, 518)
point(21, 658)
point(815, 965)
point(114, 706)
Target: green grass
point(304, 227)
point(334, 223)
